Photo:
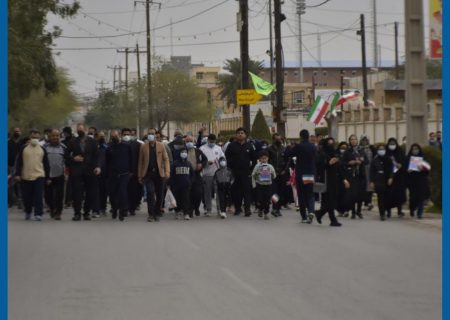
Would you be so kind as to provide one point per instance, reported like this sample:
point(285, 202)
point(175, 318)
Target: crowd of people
point(86, 172)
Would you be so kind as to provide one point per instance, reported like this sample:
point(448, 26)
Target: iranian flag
point(318, 110)
point(334, 98)
point(346, 97)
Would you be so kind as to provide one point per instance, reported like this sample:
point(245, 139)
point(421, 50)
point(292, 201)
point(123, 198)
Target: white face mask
point(151, 137)
point(183, 155)
point(392, 147)
point(223, 164)
point(126, 138)
point(381, 153)
point(34, 142)
point(189, 145)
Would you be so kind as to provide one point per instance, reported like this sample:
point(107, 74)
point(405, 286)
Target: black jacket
point(118, 159)
point(241, 158)
point(381, 170)
point(13, 151)
point(90, 154)
point(181, 175)
point(277, 158)
point(306, 158)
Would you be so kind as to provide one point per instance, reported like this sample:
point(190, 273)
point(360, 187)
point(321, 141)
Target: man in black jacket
point(118, 167)
point(84, 166)
point(305, 169)
point(277, 159)
point(14, 144)
point(241, 158)
point(135, 190)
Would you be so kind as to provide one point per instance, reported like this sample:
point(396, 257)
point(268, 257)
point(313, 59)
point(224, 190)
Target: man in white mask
point(32, 170)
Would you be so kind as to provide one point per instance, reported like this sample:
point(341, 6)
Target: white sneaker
point(223, 215)
point(37, 218)
point(207, 214)
point(186, 217)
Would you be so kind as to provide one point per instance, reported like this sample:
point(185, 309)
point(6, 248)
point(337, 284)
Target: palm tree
point(231, 81)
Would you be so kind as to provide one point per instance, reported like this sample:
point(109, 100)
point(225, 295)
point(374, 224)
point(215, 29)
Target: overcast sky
point(195, 36)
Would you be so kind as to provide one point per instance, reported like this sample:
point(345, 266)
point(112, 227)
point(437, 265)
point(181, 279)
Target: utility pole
point(415, 76)
point(362, 33)
point(148, 3)
point(139, 106)
point(171, 38)
point(397, 71)
point(342, 81)
point(113, 68)
point(271, 42)
point(243, 28)
point(279, 17)
point(102, 86)
point(126, 51)
point(375, 36)
point(300, 11)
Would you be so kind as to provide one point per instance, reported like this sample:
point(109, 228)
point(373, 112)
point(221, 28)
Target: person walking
point(57, 157)
point(305, 169)
point(241, 158)
point(102, 177)
point(134, 188)
point(263, 176)
point(32, 171)
point(118, 167)
point(153, 173)
point(198, 161)
point(369, 153)
point(213, 153)
point(84, 168)
point(381, 177)
point(417, 180)
point(223, 179)
point(14, 145)
point(329, 169)
point(182, 175)
point(397, 191)
point(277, 159)
point(343, 188)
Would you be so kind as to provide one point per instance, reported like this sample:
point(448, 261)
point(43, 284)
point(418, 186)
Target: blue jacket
point(181, 174)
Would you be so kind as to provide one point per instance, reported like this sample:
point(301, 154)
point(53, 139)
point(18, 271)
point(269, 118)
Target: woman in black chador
point(397, 191)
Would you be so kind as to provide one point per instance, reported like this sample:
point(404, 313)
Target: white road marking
point(240, 282)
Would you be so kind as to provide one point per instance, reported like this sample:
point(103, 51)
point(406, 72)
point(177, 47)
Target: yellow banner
point(247, 96)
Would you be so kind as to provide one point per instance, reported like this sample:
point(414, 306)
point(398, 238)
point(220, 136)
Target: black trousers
point(241, 190)
point(327, 205)
point(381, 196)
point(134, 193)
point(182, 197)
point(155, 187)
point(33, 194)
point(54, 195)
point(68, 192)
point(280, 190)
point(264, 195)
point(118, 193)
point(305, 198)
point(85, 186)
point(224, 196)
point(102, 192)
point(196, 195)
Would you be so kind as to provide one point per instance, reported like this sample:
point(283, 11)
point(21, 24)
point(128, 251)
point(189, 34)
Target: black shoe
point(382, 218)
point(359, 215)
point(248, 214)
point(260, 214)
point(132, 213)
point(157, 219)
point(197, 213)
point(279, 213)
point(353, 216)
point(274, 213)
point(121, 218)
point(87, 218)
point(150, 219)
point(401, 214)
point(370, 207)
point(76, 218)
point(114, 215)
point(345, 214)
point(237, 213)
point(335, 224)
point(318, 215)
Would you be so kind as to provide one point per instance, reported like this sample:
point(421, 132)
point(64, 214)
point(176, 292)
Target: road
point(211, 269)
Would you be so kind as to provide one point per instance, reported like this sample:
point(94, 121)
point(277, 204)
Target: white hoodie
point(213, 154)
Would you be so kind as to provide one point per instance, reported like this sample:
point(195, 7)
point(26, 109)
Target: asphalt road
point(211, 269)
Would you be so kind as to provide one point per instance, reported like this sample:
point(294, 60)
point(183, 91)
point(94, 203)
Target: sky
point(206, 30)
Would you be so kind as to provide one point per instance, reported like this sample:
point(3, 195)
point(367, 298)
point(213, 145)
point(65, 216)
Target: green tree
point(231, 81)
point(30, 62)
point(42, 109)
point(433, 69)
point(260, 130)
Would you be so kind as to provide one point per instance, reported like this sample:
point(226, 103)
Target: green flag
point(262, 86)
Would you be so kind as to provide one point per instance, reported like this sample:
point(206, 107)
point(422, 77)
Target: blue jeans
point(33, 194)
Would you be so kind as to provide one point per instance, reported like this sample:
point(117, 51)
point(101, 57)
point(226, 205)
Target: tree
point(231, 81)
point(30, 62)
point(433, 69)
point(42, 109)
point(260, 130)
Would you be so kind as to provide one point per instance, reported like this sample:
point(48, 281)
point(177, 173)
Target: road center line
point(240, 282)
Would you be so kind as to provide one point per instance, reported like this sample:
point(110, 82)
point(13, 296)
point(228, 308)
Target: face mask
point(126, 138)
point(183, 155)
point(294, 160)
point(115, 140)
point(34, 142)
point(90, 135)
point(392, 147)
point(264, 147)
point(415, 152)
point(46, 137)
point(16, 135)
point(80, 134)
point(151, 137)
point(190, 145)
point(223, 164)
point(342, 150)
point(204, 141)
point(211, 145)
point(381, 153)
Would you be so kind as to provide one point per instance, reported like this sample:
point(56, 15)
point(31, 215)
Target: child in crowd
point(182, 175)
point(262, 177)
point(223, 178)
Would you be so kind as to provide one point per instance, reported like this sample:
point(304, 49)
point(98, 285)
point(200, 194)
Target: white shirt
point(213, 154)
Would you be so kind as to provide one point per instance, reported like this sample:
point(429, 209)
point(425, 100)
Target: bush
point(225, 135)
point(260, 130)
point(433, 155)
point(322, 131)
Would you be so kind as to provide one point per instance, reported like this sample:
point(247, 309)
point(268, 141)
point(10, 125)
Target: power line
point(318, 5)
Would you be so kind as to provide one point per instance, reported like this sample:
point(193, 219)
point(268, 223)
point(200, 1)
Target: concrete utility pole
point(397, 69)
point(279, 17)
point(301, 6)
point(113, 68)
point(126, 51)
point(271, 41)
point(243, 27)
point(362, 33)
point(375, 36)
point(415, 74)
point(102, 86)
point(148, 3)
